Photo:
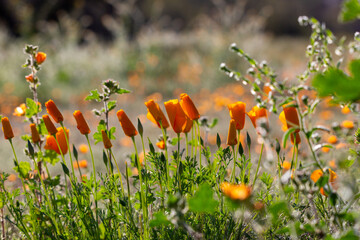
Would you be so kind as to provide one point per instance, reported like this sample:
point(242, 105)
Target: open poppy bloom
point(60, 137)
point(176, 115)
point(237, 112)
point(256, 113)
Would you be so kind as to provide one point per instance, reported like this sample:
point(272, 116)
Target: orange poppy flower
point(188, 125)
point(81, 123)
point(126, 124)
point(231, 139)
point(189, 107)
point(237, 112)
point(155, 114)
point(347, 124)
point(83, 148)
point(256, 113)
point(345, 110)
point(332, 139)
point(7, 129)
point(236, 191)
point(161, 144)
point(53, 111)
point(286, 165)
point(291, 116)
point(60, 137)
point(315, 176)
point(176, 115)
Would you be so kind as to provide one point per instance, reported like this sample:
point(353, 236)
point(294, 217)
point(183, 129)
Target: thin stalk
point(187, 144)
point(233, 171)
point(118, 169)
point(258, 166)
point(94, 175)
point(3, 237)
point(143, 203)
point(68, 145)
point(192, 141)
point(199, 138)
point(166, 155)
point(178, 162)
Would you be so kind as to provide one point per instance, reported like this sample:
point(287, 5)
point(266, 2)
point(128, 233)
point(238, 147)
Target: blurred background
point(155, 48)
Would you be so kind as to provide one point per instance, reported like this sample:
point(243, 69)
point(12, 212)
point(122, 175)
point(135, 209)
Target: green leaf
point(94, 95)
point(111, 105)
point(23, 168)
point(203, 200)
point(286, 136)
point(213, 123)
point(174, 141)
point(51, 157)
point(278, 208)
point(122, 91)
point(350, 11)
point(334, 82)
point(31, 108)
point(111, 133)
point(159, 220)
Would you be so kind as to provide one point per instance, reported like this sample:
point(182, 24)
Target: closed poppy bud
point(189, 107)
point(34, 133)
point(106, 140)
point(49, 125)
point(297, 137)
point(257, 113)
point(188, 125)
point(60, 138)
point(40, 57)
point(237, 112)
point(126, 124)
point(176, 115)
point(6, 126)
point(231, 140)
point(54, 112)
point(291, 116)
point(155, 114)
point(81, 123)
point(30, 78)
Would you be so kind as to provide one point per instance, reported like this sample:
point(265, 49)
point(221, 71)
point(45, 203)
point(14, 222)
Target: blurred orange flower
point(332, 139)
point(347, 124)
point(40, 57)
point(345, 110)
point(20, 110)
point(83, 148)
point(235, 191)
point(161, 144)
point(315, 176)
point(30, 78)
point(286, 165)
point(256, 113)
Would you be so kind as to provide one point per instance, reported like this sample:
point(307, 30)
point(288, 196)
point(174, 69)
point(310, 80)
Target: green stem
point(94, 173)
point(166, 155)
point(67, 142)
point(199, 141)
point(118, 169)
point(233, 171)
point(258, 166)
point(178, 162)
point(187, 144)
point(143, 203)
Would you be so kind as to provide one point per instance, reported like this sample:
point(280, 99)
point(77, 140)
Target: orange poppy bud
point(291, 116)
point(60, 138)
point(6, 127)
point(237, 112)
point(49, 125)
point(189, 107)
point(106, 140)
point(40, 57)
point(332, 139)
point(54, 112)
point(297, 138)
point(155, 114)
point(126, 124)
point(188, 125)
point(81, 123)
point(34, 133)
point(256, 113)
point(30, 78)
point(176, 115)
point(231, 140)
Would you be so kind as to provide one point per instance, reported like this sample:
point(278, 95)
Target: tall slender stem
point(259, 163)
point(166, 155)
point(68, 145)
point(94, 176)
point(233, 171)
point(187, 144)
